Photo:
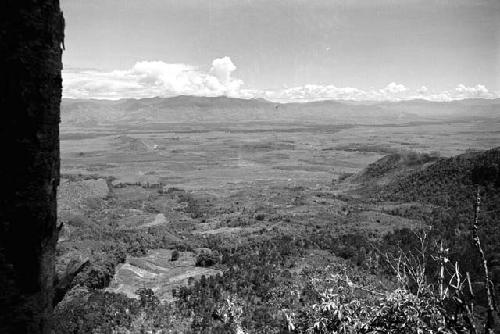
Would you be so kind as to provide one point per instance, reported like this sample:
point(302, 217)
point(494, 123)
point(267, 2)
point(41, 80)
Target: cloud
point(222, 69)
point(153, 78)
point(462, 92)
point(313, 93)
point(422, 90)
point(391, 92)
point(393, 88)
point(470, 92)
point(157, 78)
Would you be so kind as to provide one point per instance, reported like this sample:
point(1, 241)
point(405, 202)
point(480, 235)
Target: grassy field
point(214, 156)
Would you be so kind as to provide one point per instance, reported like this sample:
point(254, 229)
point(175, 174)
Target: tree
point(31, 37)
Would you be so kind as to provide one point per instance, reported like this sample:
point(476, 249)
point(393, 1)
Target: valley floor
point(277, 200)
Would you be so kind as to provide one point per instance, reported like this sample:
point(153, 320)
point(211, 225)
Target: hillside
point(450, 186)
point(182, 109)
point(384, 170)
point(448, 182)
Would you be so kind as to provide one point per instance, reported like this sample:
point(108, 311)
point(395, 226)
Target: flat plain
point(214, 156)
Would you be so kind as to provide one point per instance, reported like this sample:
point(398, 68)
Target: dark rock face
point(31, 36)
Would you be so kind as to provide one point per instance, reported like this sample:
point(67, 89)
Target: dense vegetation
point(261, 291)
point(397, 162)
point(269, 284)
point(451, 186)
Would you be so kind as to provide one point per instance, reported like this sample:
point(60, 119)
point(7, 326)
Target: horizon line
point(284, 102)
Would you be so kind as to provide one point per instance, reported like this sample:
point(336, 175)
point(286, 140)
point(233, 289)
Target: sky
point(282, 50)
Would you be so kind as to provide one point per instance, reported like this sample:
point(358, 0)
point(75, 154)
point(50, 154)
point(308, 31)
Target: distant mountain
point(183, 109)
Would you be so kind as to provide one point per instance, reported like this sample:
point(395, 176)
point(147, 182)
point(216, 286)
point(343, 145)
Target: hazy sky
point(283, 49)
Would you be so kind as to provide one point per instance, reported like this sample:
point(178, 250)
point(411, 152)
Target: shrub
point(99, 312)
point(207, 259)
point(260, 216)
point(175, 255)
point(147, 298)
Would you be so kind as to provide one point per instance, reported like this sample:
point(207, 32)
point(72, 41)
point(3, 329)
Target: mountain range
point(195, 109)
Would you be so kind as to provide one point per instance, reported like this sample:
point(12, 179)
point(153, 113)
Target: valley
point(252, 209)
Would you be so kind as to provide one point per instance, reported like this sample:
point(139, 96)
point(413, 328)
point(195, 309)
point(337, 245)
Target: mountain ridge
point(186, 108)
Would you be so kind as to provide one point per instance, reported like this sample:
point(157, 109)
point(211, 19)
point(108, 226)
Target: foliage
point(264, 289)
point(403, 312)
point(252, 272)
point(450, 185)
point(175, 255)
point(448, 188)
point(147, 298)
point(100, 272)
point(207, 258)
point(396, 162)
point(98, 312)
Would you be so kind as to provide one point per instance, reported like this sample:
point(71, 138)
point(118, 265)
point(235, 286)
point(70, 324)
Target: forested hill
point(451, 184)
point(393, 166)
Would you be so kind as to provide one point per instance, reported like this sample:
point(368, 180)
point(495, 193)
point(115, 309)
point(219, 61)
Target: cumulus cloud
point(222, 69)
point(393, 88)
point(462, 92)
point(314, 92)
point(470, 92)
point(157, 78)
point(391, 92)
point(153, 78)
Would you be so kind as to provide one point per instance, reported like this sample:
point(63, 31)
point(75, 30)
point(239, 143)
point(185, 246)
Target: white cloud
point(157, 78)
point(462, 92)
point(222, 69)
point(314, 92)
point(153, 78)
point(470, 92)
point(392, 92)
point(393, 88)
point(422, 90)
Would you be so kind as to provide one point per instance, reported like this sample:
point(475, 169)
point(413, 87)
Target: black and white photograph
point(250, 166)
